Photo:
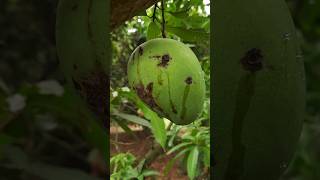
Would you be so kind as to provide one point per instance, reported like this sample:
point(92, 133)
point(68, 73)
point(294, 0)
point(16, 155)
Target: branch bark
point(123, 10)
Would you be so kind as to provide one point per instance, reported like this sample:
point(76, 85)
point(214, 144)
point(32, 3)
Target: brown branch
point(123, 10)
point(152, 154)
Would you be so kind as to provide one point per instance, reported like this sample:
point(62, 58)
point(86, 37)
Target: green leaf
point(178, 147)
point(190, 35)
point(174, 132)
point(180, 14)
point(192, 162)
point(173, 160)
point(150, 173)
point(206, 156)
point(157, 124)
point(153, 31)
point(125, 127)
point(133, 118)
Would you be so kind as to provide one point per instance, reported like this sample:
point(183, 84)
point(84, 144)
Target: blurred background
point(43, 135)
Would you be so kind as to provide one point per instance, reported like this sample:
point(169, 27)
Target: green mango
point(167, 76)
point(258, 89)
point(82, 43)
point(82, 47)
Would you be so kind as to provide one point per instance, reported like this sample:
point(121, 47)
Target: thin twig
point(154, 12)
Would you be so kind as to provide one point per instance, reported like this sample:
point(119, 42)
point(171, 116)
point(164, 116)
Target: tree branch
point(123, 10)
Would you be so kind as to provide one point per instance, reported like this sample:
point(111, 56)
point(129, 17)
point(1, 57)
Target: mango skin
point(258, 89)
point(167, 76)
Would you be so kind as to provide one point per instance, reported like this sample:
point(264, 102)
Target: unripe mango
point(258, 89)
point(82, 47)
point(167, 76)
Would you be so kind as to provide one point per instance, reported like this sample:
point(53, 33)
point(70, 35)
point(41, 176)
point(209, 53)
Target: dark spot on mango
point(188, 80)
point(93, 88)
point(164, 61)
point(150, 88)
point(252, 61)
point(145, 94)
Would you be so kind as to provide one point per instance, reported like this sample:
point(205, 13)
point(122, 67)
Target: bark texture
point(122, 10)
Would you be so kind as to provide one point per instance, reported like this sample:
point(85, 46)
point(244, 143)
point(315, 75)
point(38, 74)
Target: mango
point(258, 89)
point(82, 47)
point(167, 76)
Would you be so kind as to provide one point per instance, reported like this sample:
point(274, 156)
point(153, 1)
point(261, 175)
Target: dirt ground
point(139, 147)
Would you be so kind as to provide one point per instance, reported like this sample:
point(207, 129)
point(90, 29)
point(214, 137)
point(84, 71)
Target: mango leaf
point(189, 35)
point(153, 31)
point(180, 14)
point(193, 162)
point(157, 124)
point(195, 21)
point(196, 2)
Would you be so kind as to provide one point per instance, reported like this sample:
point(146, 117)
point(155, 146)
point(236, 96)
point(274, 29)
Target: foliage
point(194, 148)
point(122, 165)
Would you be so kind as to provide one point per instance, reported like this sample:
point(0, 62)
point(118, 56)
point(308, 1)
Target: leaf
point(173, 160)
point(150, 173)
point(124, 126)
point(190, 35)
point(180, 14)
point(192, 162)
point(206, 156)
point(157, 124)
point(175, 148)
point(133, 118)
point(153, 31)
point(174, 131)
